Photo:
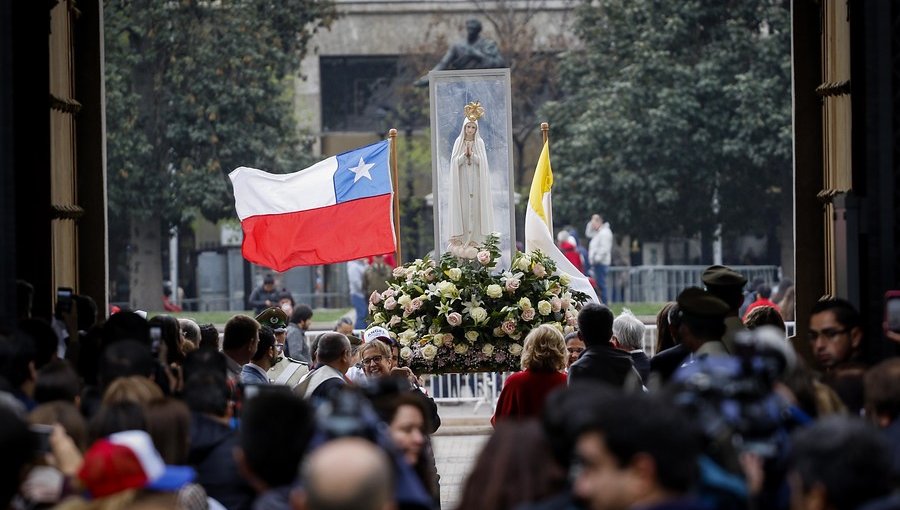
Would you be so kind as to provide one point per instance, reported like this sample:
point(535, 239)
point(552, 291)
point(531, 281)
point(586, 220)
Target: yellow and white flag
point(538, 234)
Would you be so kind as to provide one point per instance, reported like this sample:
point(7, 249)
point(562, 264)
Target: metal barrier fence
point(657, 284)
point(481, 388)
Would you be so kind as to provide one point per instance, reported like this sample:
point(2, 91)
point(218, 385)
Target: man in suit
point(266, 355)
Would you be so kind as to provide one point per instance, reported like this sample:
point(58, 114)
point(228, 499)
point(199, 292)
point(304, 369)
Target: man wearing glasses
point(835, 335)
point(267, 353)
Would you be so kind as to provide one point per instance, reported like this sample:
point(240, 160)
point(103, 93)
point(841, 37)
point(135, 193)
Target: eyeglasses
point(373, 359)
point(827, 334)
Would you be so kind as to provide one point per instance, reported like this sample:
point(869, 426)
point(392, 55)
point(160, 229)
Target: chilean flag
point(336, 210)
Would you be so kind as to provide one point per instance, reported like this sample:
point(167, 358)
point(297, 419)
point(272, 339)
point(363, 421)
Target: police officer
point(286, 370)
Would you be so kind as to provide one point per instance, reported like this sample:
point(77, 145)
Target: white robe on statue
point(470, 204)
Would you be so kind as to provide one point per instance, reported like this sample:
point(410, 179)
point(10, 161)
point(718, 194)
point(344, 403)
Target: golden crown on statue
point(474, 110)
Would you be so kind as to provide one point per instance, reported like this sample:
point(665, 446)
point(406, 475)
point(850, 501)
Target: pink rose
point(454, 319)
point(416, 303)
point(508, 326)
point(512, 284)
point(528, 314)
point(390, 303)
point(484, 257)
point(556, 304)
point(387, 293)
point(375, 298)
point(448, 340)
point(539, 270)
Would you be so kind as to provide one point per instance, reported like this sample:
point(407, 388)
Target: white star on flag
point(361, 170)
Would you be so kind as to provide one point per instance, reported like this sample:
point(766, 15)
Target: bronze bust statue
point(475, 52)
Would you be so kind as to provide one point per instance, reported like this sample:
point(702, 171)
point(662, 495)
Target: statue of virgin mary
point(470, 204)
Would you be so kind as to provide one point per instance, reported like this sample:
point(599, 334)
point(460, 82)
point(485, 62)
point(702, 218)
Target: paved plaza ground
point(463, 432)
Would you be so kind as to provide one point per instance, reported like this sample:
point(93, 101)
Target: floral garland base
point(460, 315)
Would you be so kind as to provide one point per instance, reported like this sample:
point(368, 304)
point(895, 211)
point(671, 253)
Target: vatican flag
point(538, 235)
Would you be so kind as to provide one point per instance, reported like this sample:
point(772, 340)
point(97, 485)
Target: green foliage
point(195, 89)
point(459, 314)
point(667, 103)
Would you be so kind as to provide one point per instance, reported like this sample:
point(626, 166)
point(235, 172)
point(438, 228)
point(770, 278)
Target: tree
point(195, 89)
point(670, 104)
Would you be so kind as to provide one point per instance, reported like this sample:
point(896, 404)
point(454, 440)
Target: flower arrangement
point(460, 315)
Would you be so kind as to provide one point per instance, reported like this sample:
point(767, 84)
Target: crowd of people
point(721, 413)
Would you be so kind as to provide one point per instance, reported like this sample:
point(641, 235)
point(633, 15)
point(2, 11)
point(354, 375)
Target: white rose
point(406, 353)
point(447, 289)
point(498, 332)
point(404, 300)
point(454, 273)
point(478, 314)
point(488, 349)
point(407, 337)
point(565, 279)
point(544, 307)
point(438, 340)
point(460, 348)
point(429, 352)
point(471, 336)
point(523, 264)
point(515, 349)
point(494, 291)
point(524, 303)
point(378, 318)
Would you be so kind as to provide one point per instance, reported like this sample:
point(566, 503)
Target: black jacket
point(211, 454)
point(603, 363)
point(667, 362)
point(641, 364)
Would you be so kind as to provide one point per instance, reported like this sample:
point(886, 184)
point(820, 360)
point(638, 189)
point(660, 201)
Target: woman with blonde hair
point(543, 359)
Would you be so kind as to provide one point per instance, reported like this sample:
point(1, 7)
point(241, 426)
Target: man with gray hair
point(628, 335)
point(330, 482)
point(334, 357)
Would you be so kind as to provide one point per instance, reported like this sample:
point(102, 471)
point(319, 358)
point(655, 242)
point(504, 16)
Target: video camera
point(732, 398)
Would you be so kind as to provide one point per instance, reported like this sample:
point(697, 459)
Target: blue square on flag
point(362, 173)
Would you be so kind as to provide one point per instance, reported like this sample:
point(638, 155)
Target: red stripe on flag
point(337, 233)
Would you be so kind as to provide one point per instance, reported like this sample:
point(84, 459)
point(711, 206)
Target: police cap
point(723, 276)
point(700, 303)
point(273, 317)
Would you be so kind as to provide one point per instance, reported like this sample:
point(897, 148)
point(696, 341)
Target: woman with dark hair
point(406, 413)
point(664, 337)
point(57, 381)
point(171, 349)
point(515, 467)
point(543, 359)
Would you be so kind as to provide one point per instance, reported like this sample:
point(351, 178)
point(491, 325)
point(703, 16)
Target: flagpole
point(545, 134)
point(392, 134)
